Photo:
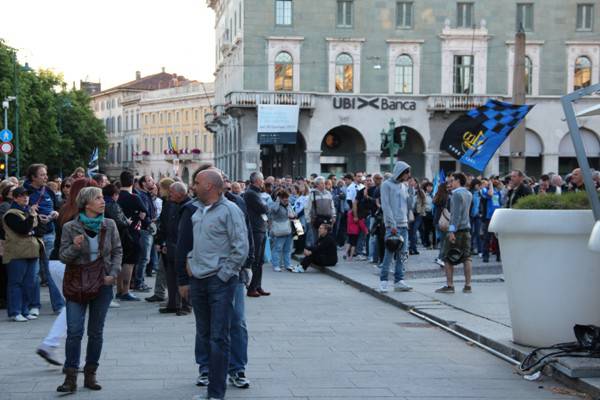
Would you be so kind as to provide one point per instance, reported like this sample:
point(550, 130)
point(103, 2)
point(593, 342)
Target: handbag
point(82, 282)
point(444, 222)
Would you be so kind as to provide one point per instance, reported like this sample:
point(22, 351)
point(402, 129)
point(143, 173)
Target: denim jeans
point(414, 228)
point(20, 285)
point(75, 328)
point(56, 298)
point(146, 240)
point(401, 255)
point(212, 301)
point(476, 241)
point(282, 251)
point(373, 250)
point(361, 245)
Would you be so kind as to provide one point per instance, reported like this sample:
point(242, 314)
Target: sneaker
point(49, 354)
point(202, 379)
point(445, 289)
point(361, 257)
point(239, 380)
point(35, 311)
point(467, 289)
point(439, 262)
point(290, 268)
point(297, 269)
point(383, 286)
point(129, 297)
point(277, 269)
point(114, 304)
point(19, 318)
point(31, 316)
point(376, 270)
point(154, 299)
point(401, 286)
point(142, 288)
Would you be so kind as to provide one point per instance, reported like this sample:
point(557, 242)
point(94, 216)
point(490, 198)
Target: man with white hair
point(556, 184)
point(319, 209)
point(166, 243)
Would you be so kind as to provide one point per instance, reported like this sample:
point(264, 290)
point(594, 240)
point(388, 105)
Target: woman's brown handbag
point(82, 282)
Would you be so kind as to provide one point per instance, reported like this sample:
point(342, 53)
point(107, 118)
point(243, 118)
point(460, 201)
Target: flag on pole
point(93, 167)
point(171, 145)
point(475, 136)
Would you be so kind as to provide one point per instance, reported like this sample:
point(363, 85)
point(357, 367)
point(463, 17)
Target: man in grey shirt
point(459, 233)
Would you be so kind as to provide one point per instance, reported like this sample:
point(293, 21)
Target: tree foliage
point(57, 127)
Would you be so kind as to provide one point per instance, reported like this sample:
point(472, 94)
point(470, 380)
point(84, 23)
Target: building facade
point(172, 138)
point(352, 66)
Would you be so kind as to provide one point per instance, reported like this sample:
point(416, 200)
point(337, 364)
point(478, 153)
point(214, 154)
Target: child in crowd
point(354, 226)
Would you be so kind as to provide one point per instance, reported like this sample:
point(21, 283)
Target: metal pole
point(6, 127)
point(582, 160)
point(16, 83)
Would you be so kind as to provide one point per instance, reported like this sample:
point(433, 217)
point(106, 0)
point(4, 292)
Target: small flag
point(475, 136)
point(93, 164)
point(171, 145)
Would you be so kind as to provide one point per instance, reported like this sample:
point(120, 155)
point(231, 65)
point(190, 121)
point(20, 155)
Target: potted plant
point(196, 153)
point(552, 278)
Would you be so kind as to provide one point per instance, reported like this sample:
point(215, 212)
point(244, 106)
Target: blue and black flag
point(475, 136)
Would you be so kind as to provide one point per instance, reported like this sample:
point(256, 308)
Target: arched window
point(583, 72)
point(284, 72)
point(344, 73)
point(404, 74)
point(528, 75)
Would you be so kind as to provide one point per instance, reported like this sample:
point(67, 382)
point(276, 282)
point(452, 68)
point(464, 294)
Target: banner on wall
point(277, 124)
point(475, 136)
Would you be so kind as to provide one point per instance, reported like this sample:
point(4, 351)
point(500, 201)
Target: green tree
point(57, 127)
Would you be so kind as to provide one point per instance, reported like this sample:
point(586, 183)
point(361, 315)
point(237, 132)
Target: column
point(432, 164)
point(250, 161)
point(493, 167)
point(550, 162)
point(313, 162)
point(373, 161)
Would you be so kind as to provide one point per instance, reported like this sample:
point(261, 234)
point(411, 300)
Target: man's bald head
point(208, 185)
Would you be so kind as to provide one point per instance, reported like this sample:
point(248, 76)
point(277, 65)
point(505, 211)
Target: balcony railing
point(456, 102)
point(253, 99)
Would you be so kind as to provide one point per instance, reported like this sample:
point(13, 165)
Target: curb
point(512, 352)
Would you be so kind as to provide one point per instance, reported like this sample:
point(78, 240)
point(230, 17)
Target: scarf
point(93, 224)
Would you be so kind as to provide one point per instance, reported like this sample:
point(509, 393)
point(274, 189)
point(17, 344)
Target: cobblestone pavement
point(314, 338)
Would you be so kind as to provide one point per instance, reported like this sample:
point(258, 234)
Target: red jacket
point(354, 228)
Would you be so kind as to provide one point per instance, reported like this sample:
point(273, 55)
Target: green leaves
point(57, 127)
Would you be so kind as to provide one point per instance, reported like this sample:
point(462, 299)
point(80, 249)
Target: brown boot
point(89, 373)
point(70, 384)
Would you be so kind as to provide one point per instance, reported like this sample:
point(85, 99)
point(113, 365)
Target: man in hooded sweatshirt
point(395, 204)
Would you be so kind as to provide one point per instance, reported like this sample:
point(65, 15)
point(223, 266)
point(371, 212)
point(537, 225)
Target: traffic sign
point(6, 135)
point(6, 147)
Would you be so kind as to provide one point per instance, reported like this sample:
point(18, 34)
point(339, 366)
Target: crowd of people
point(93, 242)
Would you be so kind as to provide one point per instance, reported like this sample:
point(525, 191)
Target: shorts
point(462, 242)
point(353, 240)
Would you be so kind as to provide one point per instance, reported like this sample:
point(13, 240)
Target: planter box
point(552, 278)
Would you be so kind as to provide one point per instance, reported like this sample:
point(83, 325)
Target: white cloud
point(109, 40)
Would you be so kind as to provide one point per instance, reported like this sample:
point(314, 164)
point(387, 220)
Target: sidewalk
point(482, 315)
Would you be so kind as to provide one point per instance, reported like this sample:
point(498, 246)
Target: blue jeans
point(476, 241)
point(401, 255)
point(373, 250)
point(412, 232)
point(56, 298)
point(282, 251)
point(212, 301)
point(146, 240)
point(361, 244)
point(239, 332)
point(75, 328)
point(20, 285)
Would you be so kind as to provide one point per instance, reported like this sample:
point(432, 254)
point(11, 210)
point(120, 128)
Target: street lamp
point(388, 141)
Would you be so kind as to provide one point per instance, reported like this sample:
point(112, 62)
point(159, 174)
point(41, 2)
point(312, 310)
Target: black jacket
point(168, 226)
point(325, 252)
point(515, 194)
point(242, 205)
point(256, 209)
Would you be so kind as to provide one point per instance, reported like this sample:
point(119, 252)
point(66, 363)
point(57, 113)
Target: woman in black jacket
point(323, 254)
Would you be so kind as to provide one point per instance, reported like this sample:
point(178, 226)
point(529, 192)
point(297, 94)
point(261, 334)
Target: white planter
point(552, 278)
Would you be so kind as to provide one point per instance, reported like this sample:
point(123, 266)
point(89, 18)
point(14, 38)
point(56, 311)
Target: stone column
point(550, 162)
point(373, 161)
point(313, 162)
point(250, 160)
point(432, 164)
point(493, 167)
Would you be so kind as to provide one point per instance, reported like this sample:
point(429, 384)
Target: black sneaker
point(202, 379)
point(142, 288)
point(445, 289)
point(239, 380)
point(154, 299)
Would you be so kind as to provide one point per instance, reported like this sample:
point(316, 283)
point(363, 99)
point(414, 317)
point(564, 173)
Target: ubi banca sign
point(378, 103)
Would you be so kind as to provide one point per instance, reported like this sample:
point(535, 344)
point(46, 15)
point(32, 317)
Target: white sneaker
point(439, 262)
point(114, 304)
point(290, 268)
point(35, 311)
point(31, 316)
point(19, 318)
point(383, 286)
point(402, 287)
point(298, 269)
point(361, 257)
point(376, 270)
point(277, 269)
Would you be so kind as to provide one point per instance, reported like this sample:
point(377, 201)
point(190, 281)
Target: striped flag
point(93, 167)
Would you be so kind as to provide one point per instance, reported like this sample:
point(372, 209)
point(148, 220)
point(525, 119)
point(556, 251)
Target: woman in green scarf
point(81, 243)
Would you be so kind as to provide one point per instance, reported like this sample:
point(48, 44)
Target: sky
point(109, 40)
